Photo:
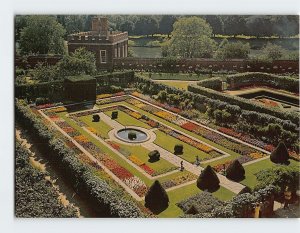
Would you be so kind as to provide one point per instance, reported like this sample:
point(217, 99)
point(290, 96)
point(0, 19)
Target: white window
point(125, 50)
point(119, 54)
point(103, 56)
point(116, 52)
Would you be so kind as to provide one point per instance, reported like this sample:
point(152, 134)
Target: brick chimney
point(103, 26)
point(95, 24)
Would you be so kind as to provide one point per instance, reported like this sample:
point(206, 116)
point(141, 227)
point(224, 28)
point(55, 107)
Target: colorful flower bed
point(135, 160)
point(181, 179)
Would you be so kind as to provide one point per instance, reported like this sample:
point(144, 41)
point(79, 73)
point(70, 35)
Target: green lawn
point(177, 195)
point(168, 142)
point(127, 120)
point(232, 153)
point(142, 153)
point(252, 169)
point(178, 84)
point(101, 127)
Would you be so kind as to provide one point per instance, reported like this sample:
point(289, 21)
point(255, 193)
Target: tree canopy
point(42, 35)
point(191, 38)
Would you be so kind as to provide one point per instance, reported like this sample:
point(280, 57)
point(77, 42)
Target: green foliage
point(96, 118)
point(131, 135)
point(156, 198)
point(42, 35)
point(272, 52)
point(178, 149)
point(235, 171)
point(45, 73)
point(280, 154)
point(208, 180)
point(190, 38)
point(34, 196)
point(279, 176)
point(154, 156)
point(78, 63)
point(101, 195)
point(114, 115)
point(233, 50)
point(211, 83)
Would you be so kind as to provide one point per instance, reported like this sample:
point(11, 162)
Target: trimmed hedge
point(243, 103)
point(34, 195)
point(280, 154)
point(211, 83)
point(98, 191)
point(156, 198)
point(271, 80)
point(235, 171)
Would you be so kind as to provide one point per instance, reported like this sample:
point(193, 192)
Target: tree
point(79, 62)
point(166, 24)
point(280, 154)
point(156, 198)
point(74, 23)
point(146, 25)
point(154, 156)
point(235, 171)
point(190, 38)
point(45, 73)
point(234, 25)
point(272, 51)
point(233, 50)
point(42, 35)
point(216, 22)
point(208, 180)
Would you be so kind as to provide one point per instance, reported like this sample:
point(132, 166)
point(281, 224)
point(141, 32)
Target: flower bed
point(147, 169)
point(135, 160)
point(181, 179)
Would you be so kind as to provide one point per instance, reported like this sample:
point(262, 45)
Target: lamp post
point(287, 197)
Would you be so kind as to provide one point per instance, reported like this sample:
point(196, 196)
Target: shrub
point(96, 118)
point(156, 198)
point(40, 101)
point(246, 189)
point(114, 115)
point(154, 156)
point(208, 180)
point(178, 149)
point(131, 135)
point(235, 171)
point(280, 154)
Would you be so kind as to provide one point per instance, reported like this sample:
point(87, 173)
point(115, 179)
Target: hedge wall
point(34, 195)
point(271, 80)
point(96, 190)
point(211, 83)
point(243, 103)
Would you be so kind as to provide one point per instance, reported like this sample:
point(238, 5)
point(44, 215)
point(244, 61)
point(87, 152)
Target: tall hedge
point(96, 190)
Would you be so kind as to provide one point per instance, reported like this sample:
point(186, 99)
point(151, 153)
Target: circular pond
point(132, 135)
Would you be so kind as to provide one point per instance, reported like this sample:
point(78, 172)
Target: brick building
point(106, 44)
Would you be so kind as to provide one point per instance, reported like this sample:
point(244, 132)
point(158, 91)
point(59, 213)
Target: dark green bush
point(154, 155)
point(280, 154)
point(235, 171)
point(114, 115)
point(178, 149)
point(156, 198)
point(131, 135)
point(208, 180)
point(96, 118)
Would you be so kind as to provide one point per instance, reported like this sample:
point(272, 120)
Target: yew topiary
point(154, 155)
point(156, 198)
point(178, 149)
point(208, 180)
point(280, 154)
point(96, 118)
point(235, 171)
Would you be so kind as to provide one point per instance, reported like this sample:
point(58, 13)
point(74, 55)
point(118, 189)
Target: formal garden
point(197, 133)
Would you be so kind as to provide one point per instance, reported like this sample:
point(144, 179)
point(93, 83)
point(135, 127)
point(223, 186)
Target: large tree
point(42, 35)
point(216, 22)
point(191, 38)
point(79, 62)
point(166, 24)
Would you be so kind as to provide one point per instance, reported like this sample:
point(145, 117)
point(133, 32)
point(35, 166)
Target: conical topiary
point(235, 171)
point(156, 198)
point(280, 154)
point(208, 180)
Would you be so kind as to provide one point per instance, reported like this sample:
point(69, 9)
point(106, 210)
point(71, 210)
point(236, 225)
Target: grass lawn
point(178, 84)
point(254, 168)
point(101, 127)
point(185, 192)
point(127, 120)
point(232, 153)
point(142, 153)
point(168, 142)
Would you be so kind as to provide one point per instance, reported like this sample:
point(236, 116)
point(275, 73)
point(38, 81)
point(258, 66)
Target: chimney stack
point(103, 26)
point(95, 24)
